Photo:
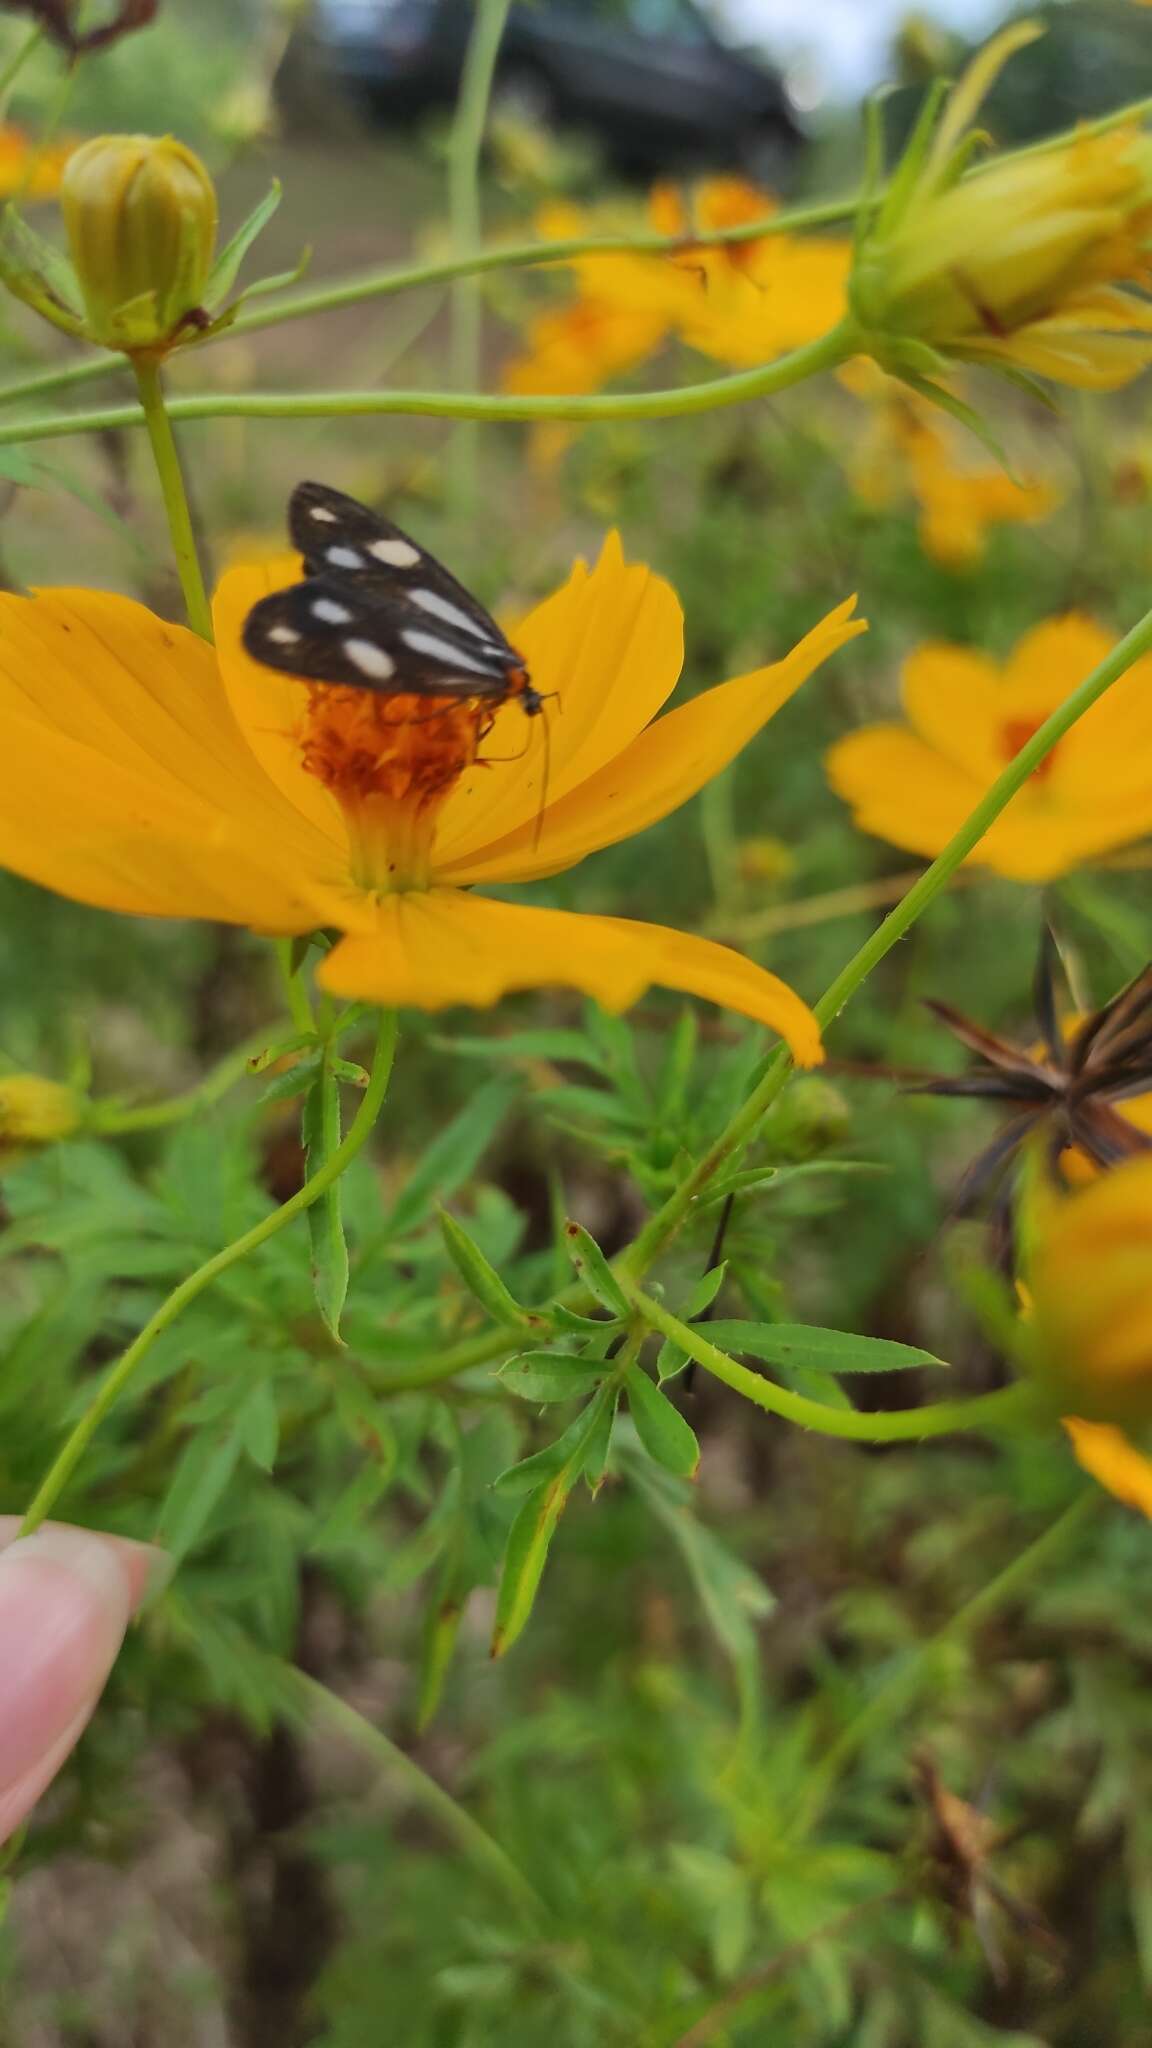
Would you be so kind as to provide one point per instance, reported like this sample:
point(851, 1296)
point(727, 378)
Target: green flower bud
point(141, 217)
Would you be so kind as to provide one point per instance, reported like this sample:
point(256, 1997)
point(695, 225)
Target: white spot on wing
point(443, 650)
point(344, 558)
point(452, 614)
point(370, 659)
point(321, 512)
point(331, 614)
point(284, 636)
point(398, 554)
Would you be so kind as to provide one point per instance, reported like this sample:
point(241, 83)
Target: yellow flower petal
point(609, 645)
point(435, 948)
point(268, 706)
point(952, 697)
point(123, 779)
point(661, 769)
point(1106, 1453)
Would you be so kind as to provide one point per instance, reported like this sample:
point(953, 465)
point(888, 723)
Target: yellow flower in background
point(1090, 1286)
point(29, 169)
point(914, 784)
point(145, 772)
point(1032, 264)
point(746, 302)
point(910, 449)
point(740, 302)
point(35, 1112)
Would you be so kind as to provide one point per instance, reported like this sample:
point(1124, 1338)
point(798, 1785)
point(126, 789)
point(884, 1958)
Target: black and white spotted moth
point(375, 611)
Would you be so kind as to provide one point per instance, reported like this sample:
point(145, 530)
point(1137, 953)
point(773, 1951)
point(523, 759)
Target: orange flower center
point(389, 762)
point(1016, 733)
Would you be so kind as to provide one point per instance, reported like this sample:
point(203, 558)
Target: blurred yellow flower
point(914, 784)
point(28, 169)
point(1090, 1284)
point(35, 1112)
point(740, 303)
point(146, 772)
point(1034, 263)
point(910, 449)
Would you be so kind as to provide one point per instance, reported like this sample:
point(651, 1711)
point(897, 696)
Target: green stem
point(896, 1691)
point(369, 284)
point(1012, 1405)
point(358, 1133)
point(474, 1841)
point(663, 1226)
point(109, 1119)
point(464, 152)
point(762, 382)
point(15, 66)
point(166, 456)
point(295, 993)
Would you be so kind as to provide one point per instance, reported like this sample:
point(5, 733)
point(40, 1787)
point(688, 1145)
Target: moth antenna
point(542, 806)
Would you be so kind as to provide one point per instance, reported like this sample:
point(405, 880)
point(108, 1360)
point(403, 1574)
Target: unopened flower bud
point(808, 1120)
point(35, 1112)
point(141, 217)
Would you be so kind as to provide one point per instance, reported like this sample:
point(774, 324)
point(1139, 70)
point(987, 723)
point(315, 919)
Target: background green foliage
point(700, 1771)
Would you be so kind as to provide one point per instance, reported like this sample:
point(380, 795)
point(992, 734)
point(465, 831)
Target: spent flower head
point(35, 1112)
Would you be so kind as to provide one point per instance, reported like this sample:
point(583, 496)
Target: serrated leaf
point(479, 1277)
point(198, 1484)
point(441, 1629)
point(805, 1345)
point(594, 1270)
point(567, 1449)
point(567, 1319)
point(452, 1156)
point(660, 1427)
point(258, 1425)
point(704, 1293)
point(550, 1375)
point(296, 1079)
point(321, 1133)
point(529, 1541)
point(553, 1044)
point(594, 1463)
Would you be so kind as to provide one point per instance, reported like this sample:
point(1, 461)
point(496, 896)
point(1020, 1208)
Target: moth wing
point(339, 537)
point(326, 630)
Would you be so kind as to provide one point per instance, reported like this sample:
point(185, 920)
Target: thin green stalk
point(105, 1400)
point(464, 152)
point(295, 993)
point(878, 1710)
point(1009, 1407)
point(474, 1841)
point(154, 415)
point(15, 65)
point(376, 283)
point(110, 1120)
point(663, 1226)
point(762, 382)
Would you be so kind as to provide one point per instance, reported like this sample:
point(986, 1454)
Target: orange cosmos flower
point(910, 449)
point(144, 772)
point(915, 784)
point(740, 302)
point(28, 169)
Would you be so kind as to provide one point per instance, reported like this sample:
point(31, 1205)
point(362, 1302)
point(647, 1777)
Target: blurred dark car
point(651, 77)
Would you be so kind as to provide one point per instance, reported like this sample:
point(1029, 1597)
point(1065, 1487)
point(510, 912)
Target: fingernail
point(65, 1600)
